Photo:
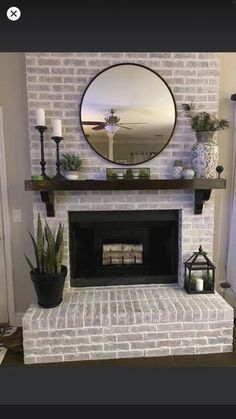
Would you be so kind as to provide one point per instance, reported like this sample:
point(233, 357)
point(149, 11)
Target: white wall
point(13, 101)
point(225, 141)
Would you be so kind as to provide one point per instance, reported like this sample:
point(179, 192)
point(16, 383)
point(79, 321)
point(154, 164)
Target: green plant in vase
point(143, 174)
point(208, 281)
point(192, 280)
point(128, 175)
point(204, 121)
point(113, 175)
point(71, 164)
point(48, 276)
point(205, 152)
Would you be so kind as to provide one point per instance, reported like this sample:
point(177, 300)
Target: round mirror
point(128, 114)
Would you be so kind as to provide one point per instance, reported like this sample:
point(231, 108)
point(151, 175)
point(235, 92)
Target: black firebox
point(123, 247)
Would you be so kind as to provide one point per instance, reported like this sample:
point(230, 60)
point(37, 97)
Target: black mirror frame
point(174, 102)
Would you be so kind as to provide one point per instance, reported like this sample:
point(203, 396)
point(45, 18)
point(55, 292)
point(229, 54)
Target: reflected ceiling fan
point(111, 120)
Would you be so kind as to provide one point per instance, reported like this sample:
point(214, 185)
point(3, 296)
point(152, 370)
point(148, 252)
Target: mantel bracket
point(48, 199)
point(201, 195)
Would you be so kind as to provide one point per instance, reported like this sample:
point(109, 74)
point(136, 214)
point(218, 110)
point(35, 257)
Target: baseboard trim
point(19, 317)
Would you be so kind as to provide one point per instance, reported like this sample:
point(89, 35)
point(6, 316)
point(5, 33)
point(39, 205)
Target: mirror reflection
point(128, 114)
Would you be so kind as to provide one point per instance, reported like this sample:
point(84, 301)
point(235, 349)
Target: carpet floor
point(6, 333)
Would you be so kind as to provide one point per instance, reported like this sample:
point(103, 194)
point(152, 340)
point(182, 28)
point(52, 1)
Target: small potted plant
point(205, 152)
point(48, 276)
point(143, 173)
point(71, 164)
point(128, 175)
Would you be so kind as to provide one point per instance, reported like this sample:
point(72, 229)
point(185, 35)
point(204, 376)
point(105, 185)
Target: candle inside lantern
point(199, 284)
point(57, 131)
point(40, 117)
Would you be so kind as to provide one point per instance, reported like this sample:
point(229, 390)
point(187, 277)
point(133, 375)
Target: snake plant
point(48, 249)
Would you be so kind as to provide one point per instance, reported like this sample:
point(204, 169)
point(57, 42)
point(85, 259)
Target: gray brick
point(156, 335)
point(183, 334)
point(168, 343)
point(90, 331)
point(130, 354)
point(63, 349)
point(76, 357)
point(129, 337)
point(35, 334)
point(76, 340)
point(212, 333)
point(117, 329)
point(227, 332)
point(28, 359)
point(157, 352)
point(143, 328)
point(208, 349)
point(169, 326)
point(227, 348)
point(114, 346)
point(89, 348)
point(48, 62)
point(48, 342)
point(102, 339)
point(195, 326)
point(220, 340)
point(190, 350)
point(103, 355)
point(52, 358)
point(29, 343)
point(146, 344)
point(61, 333)
point(38, 351)
point(223, 324)
point(194, 342)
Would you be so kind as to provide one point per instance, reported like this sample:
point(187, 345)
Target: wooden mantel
point(202, 188)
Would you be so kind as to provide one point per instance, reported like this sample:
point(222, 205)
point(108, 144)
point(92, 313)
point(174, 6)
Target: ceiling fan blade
point(121, 126)
point(134, 123)
point(98, 127)
point(93, 123)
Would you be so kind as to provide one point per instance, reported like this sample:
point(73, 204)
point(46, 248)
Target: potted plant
point(71, 164)
point(205, 152)
point(128, 175)
point(143, 173)
point(49, 274)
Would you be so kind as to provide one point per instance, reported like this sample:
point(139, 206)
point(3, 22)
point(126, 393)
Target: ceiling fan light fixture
point(111, 128)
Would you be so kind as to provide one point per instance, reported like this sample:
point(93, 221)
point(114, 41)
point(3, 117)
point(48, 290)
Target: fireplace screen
point(122, 254)
point(123, 247)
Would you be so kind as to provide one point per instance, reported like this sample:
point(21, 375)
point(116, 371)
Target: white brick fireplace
point(179, 323)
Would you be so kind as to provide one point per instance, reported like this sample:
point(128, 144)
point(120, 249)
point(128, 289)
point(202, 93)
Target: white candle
point(40, 117)
point(57, 131)
point(199, 284)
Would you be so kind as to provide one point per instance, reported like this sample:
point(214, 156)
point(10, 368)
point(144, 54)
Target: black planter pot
point(49, 288)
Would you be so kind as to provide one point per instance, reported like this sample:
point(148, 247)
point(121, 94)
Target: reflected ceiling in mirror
point(128, 114)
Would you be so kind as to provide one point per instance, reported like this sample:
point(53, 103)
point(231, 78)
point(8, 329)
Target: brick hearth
point(124, 322)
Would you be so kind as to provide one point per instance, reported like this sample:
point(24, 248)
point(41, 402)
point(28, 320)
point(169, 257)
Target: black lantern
point(199, 274)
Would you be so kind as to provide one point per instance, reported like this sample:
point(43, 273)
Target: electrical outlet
point(17, 215)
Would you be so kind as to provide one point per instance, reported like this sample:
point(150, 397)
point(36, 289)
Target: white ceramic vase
point(188, 173)
point(72, 175)
point(205, 155)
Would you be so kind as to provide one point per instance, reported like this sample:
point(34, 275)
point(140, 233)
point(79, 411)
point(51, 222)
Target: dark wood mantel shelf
point(202, 188)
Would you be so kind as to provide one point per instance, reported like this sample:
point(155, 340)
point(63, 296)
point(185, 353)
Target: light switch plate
point(17, 215)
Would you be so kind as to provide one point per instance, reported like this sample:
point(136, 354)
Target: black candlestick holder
point(219, 170)
point(58, 175)
point(41, 129)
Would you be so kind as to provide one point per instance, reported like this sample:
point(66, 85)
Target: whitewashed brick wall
point(56, 82)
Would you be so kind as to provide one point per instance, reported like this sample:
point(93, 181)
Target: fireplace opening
point(123, 247)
